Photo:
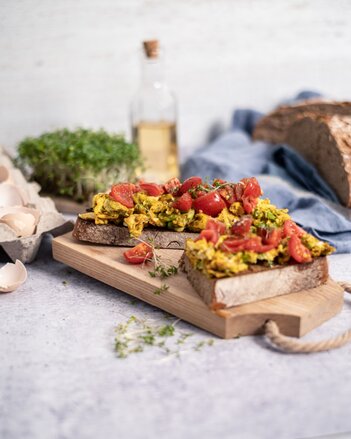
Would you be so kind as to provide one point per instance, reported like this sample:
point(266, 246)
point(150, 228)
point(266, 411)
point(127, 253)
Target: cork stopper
point(151, 48)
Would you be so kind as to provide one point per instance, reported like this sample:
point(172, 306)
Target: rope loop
point(288, 344)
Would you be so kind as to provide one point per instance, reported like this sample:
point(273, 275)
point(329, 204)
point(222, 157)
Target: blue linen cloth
point(285, 177)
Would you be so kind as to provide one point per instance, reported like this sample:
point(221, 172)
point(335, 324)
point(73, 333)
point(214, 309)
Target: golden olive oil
point(157, 142)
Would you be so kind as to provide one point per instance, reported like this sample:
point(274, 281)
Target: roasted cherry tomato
point(249, 204)
point(210, 235)
point(184, 202)
point(298, 251)
point(172, 186)
point(271, 236)
point(123, 193)
point(291, 228)
point(140, 253)
point(213, 224)
point(152, 189)
point(227, 193)
point(234, 245)
point(238, 191)
point(242, 227)
point(189, 184)
point(211, 204)
point(252, 188)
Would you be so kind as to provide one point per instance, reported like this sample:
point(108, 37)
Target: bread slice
point(256, 285)
point(87, 230)
point(274, 126)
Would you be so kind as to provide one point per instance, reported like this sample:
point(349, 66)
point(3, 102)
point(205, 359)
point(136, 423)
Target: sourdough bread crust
point(274, 126)
point(110, 234)
point(326, 143)
point(321, 132)
point(253, 286)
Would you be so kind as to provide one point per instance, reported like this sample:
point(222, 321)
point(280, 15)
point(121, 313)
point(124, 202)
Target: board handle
point(288, 344)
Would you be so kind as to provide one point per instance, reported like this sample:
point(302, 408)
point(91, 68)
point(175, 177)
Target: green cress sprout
point(78, 163)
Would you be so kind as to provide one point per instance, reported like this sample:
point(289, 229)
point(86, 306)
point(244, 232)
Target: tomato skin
point(210, 235)
point(211, 203)
point(213, 224)
point(238, 191)
point(242, 227)
point(189, 183)
point(172, 186)
point(138, 254)
point(290, 228)
point(298, 251)
point(152, 189)
point(271, 236)
point(184, 202)
point(252, 188)
point(227, 193)
point(234, 245)
point(123, 193)
point(199, 193)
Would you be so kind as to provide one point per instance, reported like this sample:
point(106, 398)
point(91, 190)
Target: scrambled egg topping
point(147, 210)
point(204, 256)
point(216, 263)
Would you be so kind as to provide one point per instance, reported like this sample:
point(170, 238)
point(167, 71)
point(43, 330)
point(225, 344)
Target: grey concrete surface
point(60, 378)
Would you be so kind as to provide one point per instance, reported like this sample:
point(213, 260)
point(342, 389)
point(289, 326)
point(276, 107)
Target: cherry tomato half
point(242, 226)
point(271, 236)
point(184, 202)
point(291, 228)
point(234, 245)
point(252, 188)
point(189, 183)
point(172, 186)
point(213, 224)
point(227, 193)
point(152, 189)
point(123, 193)
point(211, 203)
point(210, 235)
point(140, 253)
point(298, 251)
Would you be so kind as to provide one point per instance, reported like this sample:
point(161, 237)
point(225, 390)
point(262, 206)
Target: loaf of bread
point(321, 132)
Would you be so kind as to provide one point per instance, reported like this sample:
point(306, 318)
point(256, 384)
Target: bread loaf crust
point(111, 234)
point(326, 143)
point(321, 132)
point(274, 126)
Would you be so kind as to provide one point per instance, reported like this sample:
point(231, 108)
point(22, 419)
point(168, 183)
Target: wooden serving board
point(296, 314)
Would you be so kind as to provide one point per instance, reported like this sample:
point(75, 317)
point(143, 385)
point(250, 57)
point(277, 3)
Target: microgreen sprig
point(136, 335)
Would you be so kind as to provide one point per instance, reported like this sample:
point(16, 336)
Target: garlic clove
point(12, 276)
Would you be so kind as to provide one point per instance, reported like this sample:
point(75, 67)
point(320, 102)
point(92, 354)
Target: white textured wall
point(75, 62)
